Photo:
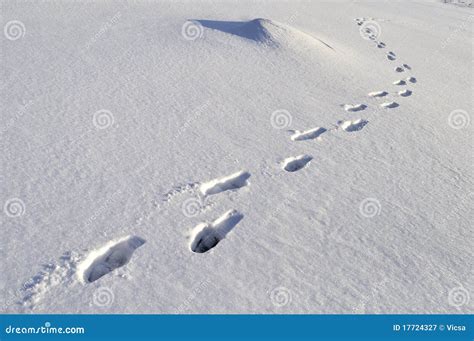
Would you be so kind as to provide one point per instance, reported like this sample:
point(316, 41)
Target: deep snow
point(316, 157)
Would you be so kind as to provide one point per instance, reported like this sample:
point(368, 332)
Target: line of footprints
point(206, 235)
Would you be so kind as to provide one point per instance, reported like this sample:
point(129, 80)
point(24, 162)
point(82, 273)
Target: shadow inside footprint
point(354, 107)
point(390, 105)
point(293, 164)
point(378, 94)
point(206, 236)
point(405, 93)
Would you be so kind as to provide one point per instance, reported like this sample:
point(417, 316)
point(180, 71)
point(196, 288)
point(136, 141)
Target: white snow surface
point(130, 128)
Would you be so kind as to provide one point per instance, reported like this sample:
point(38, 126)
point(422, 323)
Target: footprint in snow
point(378, 94)
point(233, 181)
point(51, 275)
point(400, 82)
point(206, 236)
point(354, 107)
point(111, 256)
point(389, 105)
point(310, 134)
point(405, 93)
point(293, 164)
point(354, 125)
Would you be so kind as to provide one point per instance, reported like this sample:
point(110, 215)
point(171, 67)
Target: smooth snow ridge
point(264, 31)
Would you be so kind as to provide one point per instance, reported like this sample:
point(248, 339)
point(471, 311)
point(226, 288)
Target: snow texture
point(236, 157)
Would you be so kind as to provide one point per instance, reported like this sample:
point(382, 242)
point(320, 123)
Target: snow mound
point(265, 31)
